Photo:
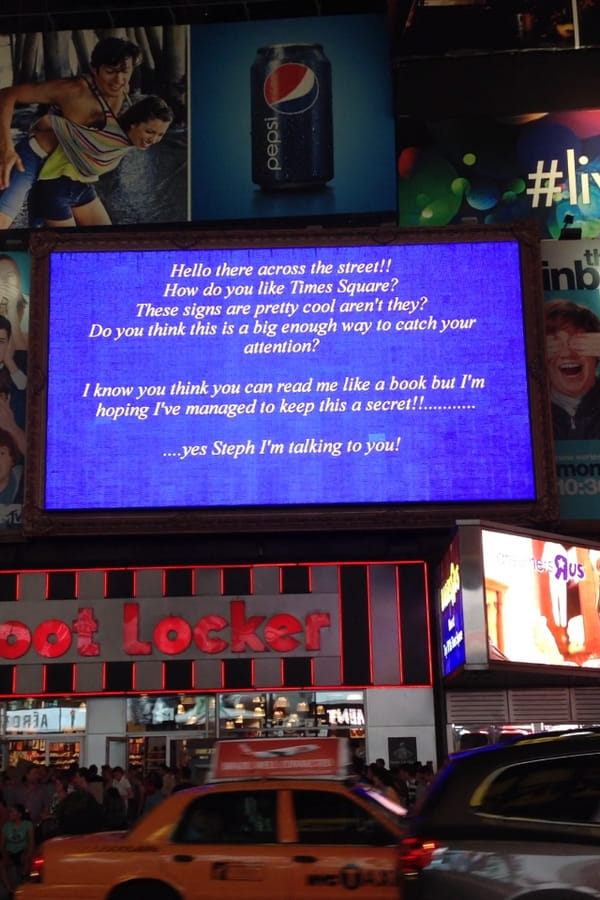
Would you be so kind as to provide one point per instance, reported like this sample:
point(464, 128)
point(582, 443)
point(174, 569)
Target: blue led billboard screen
point(287, 375)
point(451, 616)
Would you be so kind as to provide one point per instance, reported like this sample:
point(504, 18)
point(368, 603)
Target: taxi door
point(340, 849)
point(227, 845)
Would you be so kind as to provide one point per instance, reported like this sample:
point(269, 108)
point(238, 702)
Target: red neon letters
point(172, 635)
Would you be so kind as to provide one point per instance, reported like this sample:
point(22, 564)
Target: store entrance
point(194, 753)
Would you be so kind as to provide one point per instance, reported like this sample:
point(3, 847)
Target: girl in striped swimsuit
point(65, 194)
point(91, 103)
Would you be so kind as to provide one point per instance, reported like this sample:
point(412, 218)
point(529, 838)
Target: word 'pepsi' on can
point(292, 120)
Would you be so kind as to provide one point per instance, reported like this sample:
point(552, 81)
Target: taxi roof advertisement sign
point(280, 758)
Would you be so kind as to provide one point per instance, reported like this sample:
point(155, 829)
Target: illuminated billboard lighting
point(298, 378)
point(517, 599)
point(541, 596)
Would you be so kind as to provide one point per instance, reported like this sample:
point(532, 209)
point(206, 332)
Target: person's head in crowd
point(17, 812)
point(80, 778)
point(32, 772)
point(153, 781)
point(62, 783)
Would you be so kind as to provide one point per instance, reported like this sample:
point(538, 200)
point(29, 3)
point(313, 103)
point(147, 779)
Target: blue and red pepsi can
point(292, 119)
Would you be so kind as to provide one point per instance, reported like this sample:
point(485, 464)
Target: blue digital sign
point(451, 615)
point(277, 376)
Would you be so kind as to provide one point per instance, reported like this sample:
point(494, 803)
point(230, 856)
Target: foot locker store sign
point(186, 628)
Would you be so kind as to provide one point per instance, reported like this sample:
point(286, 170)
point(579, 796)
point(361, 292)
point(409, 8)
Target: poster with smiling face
point(14, 339)
point(94, 127)
point(571, 279)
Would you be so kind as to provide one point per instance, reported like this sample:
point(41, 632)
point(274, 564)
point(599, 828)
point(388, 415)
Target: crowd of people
point(403, 784)
point(42, 801)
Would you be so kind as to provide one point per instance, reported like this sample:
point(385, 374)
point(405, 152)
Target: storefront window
point(256, 713)
point(45, 732)
point(165, 712)
point(343, 712)
point(263, 714)
point(56, 716)
point(195, 754)
point(204, 718)
point(278, 713)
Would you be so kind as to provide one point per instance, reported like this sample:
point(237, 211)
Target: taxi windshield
point(393, 811)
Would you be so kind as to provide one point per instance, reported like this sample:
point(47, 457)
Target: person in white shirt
point(123, 785)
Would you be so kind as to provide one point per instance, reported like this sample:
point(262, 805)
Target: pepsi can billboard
point(344, 61)
point(292, 119)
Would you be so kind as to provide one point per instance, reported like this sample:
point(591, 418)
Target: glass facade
point(45, 732)
point(155, 722)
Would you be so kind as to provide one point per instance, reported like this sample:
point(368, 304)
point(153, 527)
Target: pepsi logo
point(291, 88)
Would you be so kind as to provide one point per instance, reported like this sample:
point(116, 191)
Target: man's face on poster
point(6, 464)
point(571, 361)
point(4, 339)
point(113, 81)
point(10, 284)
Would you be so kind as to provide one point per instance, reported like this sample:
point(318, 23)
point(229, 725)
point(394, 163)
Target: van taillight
point(414, 854)
point(37, 867)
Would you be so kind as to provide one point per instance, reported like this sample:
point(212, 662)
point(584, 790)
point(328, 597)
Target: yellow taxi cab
point(277, 818)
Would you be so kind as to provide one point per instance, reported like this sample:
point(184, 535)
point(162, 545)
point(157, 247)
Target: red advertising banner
point(280, 757)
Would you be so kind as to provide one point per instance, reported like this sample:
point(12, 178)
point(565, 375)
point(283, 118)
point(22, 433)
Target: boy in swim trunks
point(91, 103)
